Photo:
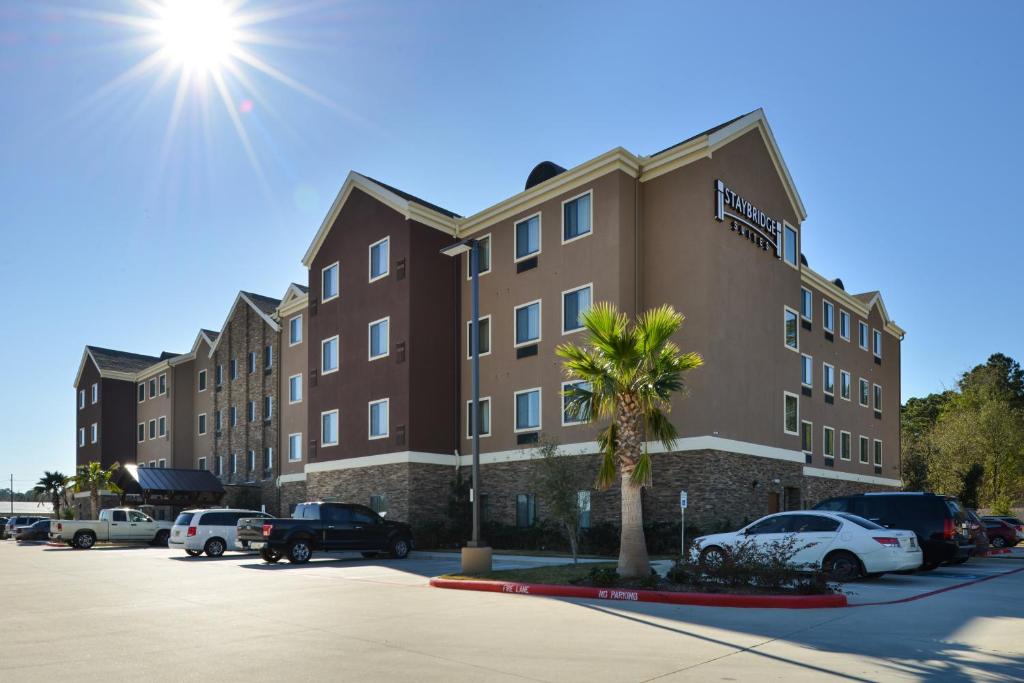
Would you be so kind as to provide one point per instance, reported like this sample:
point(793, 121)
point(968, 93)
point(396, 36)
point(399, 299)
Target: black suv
point(939, 521)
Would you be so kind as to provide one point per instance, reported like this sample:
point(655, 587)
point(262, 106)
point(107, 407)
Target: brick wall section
point(291, 493)
point(356, 485)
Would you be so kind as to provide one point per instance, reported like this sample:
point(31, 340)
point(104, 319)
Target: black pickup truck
point(324, 527)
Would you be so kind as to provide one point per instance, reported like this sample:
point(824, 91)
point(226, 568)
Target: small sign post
point(682, 525)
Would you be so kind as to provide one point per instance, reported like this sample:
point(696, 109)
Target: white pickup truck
point(115, 525)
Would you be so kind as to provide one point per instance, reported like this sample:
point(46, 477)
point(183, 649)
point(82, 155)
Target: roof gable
point(265, 306)
point(114, 364)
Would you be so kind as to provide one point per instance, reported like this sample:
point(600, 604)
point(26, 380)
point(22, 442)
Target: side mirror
point(383, 514)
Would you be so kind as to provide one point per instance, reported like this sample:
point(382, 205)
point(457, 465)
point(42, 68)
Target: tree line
point(969, 441)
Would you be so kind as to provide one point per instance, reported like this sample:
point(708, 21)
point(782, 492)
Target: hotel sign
point(746, 220)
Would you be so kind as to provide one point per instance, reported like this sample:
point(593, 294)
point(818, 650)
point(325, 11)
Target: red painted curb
point(631, 595)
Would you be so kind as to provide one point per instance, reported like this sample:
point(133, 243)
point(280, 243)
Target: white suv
point(208, 531)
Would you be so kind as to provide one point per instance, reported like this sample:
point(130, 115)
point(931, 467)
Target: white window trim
point(268, 358)
point(469, 408)
point(849, 325)
point(233, 416)
point(251, 364)
point(876, 335)
point(540, 237)
point(290, 378)
point(877, 446)
point(81, 437)
point(787, 309)
point(94, 432)
point(219, 460)
point(202, 424)
point(863, 381)
point(369, 419)
point(95, 393)
point(540, 410)
point(571, 423)
point(469, 342)
point(268, 405)
point(152, 464)
point(861, 325)
point(81, 399)
point(201, 463)
point(590, 286)
point(825, 303)
point(811, 359)
point(795, 397)
point(490, 244)
point(151, 429)
point(323, 270)
point(802, 423)
point(849, 377)
point(161, 426)
point(387, 264)
point(590, 232)
point(137, 439)
point(337, 365)
point(250, 410)
point(809, 318)
point(234, 463)
point(161, 384)
point(824, 377)
point(876, 398)
point(866, 442)
point(824, 441)
point(250, 456)
point(849, 458)
point(161, 463)
point(337, 422)
point(369, 339)
point(202, 373)
point(301, 335)
point(143, 385)
point(796, 231)
point(290, 458)
point(540, 323)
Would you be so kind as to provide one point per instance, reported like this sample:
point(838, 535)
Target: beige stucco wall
point(202, 402)
point(294, 361)
point(161, 405)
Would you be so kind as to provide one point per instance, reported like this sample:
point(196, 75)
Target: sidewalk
point(660, 566)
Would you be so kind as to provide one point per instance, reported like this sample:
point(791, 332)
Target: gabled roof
point(295, 298)
point(874, 298)
point(709, 131)
point(414, 198)
point(265, 306)
point(114, 364)
point(211, 335)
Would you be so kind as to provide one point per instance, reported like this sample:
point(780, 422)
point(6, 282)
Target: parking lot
point(115, 613)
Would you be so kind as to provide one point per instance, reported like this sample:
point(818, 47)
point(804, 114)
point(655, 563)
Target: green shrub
point(603, 577)
point(750, 565)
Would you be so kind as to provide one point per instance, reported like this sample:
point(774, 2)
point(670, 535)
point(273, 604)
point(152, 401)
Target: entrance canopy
point(169, 486)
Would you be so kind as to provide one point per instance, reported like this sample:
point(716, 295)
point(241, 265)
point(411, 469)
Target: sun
point(200, 35)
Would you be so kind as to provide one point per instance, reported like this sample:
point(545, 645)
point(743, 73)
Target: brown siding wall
point(294, 417)
point(85, 417)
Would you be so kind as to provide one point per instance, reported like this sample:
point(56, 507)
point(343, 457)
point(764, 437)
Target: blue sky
point(900, 126)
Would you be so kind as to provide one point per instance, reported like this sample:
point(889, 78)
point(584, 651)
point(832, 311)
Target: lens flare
point(197, 34)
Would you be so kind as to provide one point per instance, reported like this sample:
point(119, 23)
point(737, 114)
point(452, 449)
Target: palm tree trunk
point(94, 500)
point(633, 559)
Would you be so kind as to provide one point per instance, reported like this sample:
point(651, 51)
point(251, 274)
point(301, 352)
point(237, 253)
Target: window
point(152, 463)
point(864, 450)
point(527, 237)
point(583, 505)
point(162, 463)
point(218, 375)
point(94, 433)
point(295, 447)
point(379, 338)
point(162, 426)
point(791, 413)
point(483, 254)
point(878, 453)
point(844, 385)
point(295, 389)
point(162, 384)
point(567, 418)
point(81, 436)
point(329, 283)
point(862, 335)
point(202, 463)
point(575, 302)
point(234, 463)
point(527, 410)
point(379, 259)
point(295, 331)
point(329, 428)
point(250, 460)
point(152, 387)
point(789, 245)
point(232, 368)
point(876, 344)
point(527, 323)
point(268, 460)
point(96, 392)
point(250, 410)
point(202, 423)
point(577, 217)
point(251, 362)
point(878, 398)
point(863, 392)
point(828, 379)
point(268, 407)
point(142, 393)
point(268, 357)
point(219, 465)
point(790, 331)
point(329, 355)
point(806, 437)
point(232, 416)
point(806, 370)
point(217, 420)
point(152, 429)
point(81, 398)
point(140, 432)
point(485, 336)
point(485, 418)
point(829, 444)
point(201, 381)
point(844, 324)
point(806, 304)
point(379, 419)
point(828, 312)
point(379, 503)
point(845, 446)
point(526, 510)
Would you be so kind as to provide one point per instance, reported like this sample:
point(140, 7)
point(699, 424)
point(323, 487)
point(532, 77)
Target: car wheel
point(269, 556)
point(193, 553)
point(369, 554)
point(161, 537)
point(929, 566)
point(214, 547)
point(959, 560)
point(299, 552)
point(998, 542)
point(400, 548)
point(711, 558)
point(842, 566)
point(85, 540)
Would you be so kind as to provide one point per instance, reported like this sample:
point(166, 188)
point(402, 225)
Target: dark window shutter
point(400, 269)
point(400, 435)
point(400, 352)
point(312, 378)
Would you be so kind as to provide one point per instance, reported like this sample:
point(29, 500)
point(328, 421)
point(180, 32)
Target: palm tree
point(93, 478)
point(628, 373)
point(52, 487)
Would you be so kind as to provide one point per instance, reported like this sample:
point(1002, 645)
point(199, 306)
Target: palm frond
point(608, 441)
point(660, 428)
point(642, 474)
point(655, 327)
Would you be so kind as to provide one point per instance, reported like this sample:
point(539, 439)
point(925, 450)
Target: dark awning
point(167, 480)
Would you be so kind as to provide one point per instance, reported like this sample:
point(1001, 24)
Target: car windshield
point(184, 519)
point(860, 521)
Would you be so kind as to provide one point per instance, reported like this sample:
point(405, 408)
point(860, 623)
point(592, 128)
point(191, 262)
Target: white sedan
point(845, 546)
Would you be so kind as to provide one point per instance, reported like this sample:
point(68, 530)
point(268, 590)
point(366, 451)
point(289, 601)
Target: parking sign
point(682, 500)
